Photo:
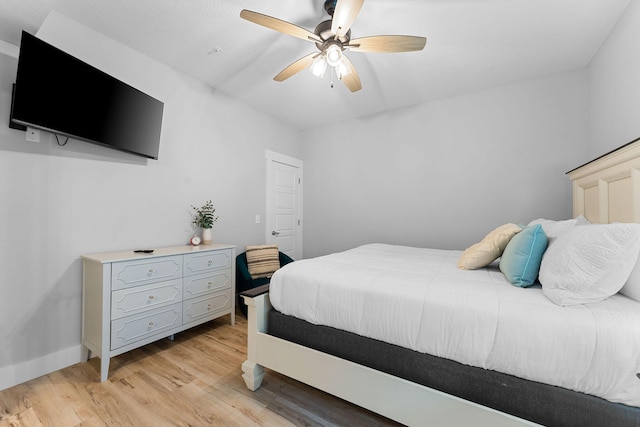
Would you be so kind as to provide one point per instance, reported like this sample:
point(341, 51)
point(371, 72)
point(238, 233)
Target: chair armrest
point(252, 293)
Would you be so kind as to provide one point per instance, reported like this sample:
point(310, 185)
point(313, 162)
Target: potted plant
point(204, 217)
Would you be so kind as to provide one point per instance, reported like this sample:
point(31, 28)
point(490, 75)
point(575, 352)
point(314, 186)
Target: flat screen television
point(59, 93)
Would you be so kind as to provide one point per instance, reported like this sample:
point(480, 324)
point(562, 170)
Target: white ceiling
point(471, 45)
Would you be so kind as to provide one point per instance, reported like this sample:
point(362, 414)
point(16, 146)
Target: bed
point(469, 348)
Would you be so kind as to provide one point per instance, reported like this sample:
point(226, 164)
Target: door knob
point(275, 233)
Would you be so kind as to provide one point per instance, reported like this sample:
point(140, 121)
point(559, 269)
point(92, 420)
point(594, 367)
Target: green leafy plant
point(205, 216)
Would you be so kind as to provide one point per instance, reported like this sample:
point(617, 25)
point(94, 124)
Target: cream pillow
point(589, 263)
point(488, 249)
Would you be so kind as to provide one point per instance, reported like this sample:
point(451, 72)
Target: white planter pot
point(207, 236)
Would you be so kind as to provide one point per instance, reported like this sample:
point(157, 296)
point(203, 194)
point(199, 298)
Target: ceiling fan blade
point(351, 80)
point(387, 44)
point(279, 25)
point(296, 67)
point(344, 15)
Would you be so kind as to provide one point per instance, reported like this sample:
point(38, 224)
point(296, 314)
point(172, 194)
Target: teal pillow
point(521, 258)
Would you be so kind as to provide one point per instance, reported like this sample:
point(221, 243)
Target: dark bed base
point(529, 400)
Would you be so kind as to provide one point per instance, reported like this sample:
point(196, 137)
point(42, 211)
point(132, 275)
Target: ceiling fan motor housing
point(330, 6)
point(323, 30)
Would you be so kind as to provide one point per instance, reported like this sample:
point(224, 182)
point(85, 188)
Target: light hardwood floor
point(194, 380)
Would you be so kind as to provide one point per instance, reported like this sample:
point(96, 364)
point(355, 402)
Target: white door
point(284, 203)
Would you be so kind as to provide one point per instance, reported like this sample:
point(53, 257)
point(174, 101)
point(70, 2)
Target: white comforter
point(419, 299)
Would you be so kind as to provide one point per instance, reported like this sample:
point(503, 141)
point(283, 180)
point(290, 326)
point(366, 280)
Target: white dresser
point(131, 299)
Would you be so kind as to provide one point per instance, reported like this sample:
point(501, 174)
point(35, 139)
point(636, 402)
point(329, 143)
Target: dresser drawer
point(128, 330)
point(195, 286)
point(125, 302)
point(143, 271)
point(206, 307)
point(199, 263)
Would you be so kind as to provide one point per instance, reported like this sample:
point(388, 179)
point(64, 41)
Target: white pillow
point(581, 220)
point(589, 263)
point(631, 289)
point(552, 229)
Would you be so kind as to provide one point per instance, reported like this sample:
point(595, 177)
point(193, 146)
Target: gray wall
point(59, 202)
point(443, 174)
point(614, 87)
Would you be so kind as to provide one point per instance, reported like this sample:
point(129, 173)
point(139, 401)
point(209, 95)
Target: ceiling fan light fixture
point(332, 37)
point(334, 55)
point(342, 70)
point(319, 66)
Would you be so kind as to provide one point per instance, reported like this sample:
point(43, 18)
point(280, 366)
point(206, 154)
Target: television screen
point(57, 92)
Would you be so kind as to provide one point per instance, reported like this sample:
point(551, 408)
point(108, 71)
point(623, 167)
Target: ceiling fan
point(332, 37)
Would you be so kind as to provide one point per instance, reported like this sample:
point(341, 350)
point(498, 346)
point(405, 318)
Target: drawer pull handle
point(150, 297)
point(208, 307)
point(210, 262)
point(210, 284)
point(151, 271)
point(151, 325)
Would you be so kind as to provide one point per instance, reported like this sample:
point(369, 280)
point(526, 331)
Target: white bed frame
point(401, 400)
point(605, 190)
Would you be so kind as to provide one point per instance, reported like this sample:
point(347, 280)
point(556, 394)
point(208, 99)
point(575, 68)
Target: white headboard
point(607, 189)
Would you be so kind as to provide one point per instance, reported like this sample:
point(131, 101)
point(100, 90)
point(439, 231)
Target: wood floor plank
point(24, 418)
point(194, 380)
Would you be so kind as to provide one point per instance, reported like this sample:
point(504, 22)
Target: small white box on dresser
point(131, 299)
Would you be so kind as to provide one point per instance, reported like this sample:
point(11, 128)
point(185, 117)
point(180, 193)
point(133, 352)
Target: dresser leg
point(104, 368)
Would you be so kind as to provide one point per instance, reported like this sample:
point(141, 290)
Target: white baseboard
point(17, 374)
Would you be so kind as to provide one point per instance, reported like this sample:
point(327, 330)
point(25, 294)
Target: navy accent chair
point(245, 282)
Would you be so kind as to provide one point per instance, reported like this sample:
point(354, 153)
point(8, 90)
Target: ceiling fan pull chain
point(332, 73)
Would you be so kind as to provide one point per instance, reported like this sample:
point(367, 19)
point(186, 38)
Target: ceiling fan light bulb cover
point(334, 55)
point(342, 70)
point(318, 67)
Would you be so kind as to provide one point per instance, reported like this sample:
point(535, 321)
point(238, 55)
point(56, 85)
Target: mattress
point(418, 299)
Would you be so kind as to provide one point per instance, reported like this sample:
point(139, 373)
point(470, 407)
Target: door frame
point(271, 157)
